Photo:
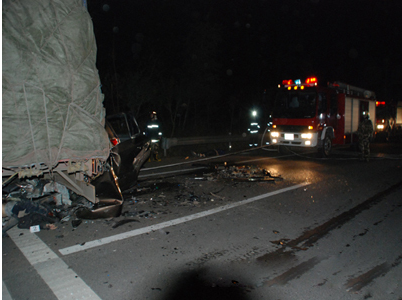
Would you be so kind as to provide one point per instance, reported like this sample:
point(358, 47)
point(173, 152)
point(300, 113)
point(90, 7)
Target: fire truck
point(308, 115)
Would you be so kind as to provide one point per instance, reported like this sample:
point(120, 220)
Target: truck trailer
point(56, 140)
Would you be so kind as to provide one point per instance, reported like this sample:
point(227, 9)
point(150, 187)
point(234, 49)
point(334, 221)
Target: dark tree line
point(203, 64)
point(171, 58)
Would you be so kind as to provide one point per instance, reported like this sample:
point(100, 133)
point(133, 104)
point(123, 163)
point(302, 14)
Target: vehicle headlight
point(275, 134)
point(380, 126)
point(306, 136)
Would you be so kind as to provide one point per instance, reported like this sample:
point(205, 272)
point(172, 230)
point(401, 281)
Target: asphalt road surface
point(223, 228)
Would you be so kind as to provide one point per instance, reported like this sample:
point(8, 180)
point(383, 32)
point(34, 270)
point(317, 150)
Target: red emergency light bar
point(378, 103)
point(288, 83)
point(311, 80)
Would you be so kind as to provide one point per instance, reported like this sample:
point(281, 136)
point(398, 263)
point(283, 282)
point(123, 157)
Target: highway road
point(251, 225)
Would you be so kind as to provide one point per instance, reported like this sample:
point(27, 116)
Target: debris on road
point(48, 204)
point(34, 202)
point(124, 221)
point(153, 198)
point(209, 153)
point(217, 196)
point(246, 173)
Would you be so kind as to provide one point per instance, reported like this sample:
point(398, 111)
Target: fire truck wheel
point(326, 147)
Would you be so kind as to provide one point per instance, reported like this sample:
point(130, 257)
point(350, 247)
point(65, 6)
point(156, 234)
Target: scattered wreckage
point(247, 173)
point(152, 198)
point(239, 173)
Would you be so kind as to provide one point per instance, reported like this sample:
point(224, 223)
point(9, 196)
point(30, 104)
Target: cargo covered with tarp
point(52, 105)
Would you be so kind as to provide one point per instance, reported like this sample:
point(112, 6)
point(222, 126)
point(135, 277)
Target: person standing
point(365, 133)
point(153, 131)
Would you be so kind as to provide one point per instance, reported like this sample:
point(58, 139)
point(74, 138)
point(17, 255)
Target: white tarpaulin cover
point(52, 103)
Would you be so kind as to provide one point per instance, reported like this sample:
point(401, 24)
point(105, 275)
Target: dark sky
point(250, 45)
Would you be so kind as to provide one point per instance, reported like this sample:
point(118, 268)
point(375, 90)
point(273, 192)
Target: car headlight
point(274, 134)
point(306, 136)
point(380, 126)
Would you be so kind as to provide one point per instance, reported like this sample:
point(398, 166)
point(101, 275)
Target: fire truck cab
point(306, 114)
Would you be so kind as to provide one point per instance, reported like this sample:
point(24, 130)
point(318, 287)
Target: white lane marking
point(63, 281)
point(5, 294)
point(171, 172)
point(135, 232)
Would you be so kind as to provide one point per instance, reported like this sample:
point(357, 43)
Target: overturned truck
point(54, 143)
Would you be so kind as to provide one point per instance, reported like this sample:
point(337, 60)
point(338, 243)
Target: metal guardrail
point(167, 143)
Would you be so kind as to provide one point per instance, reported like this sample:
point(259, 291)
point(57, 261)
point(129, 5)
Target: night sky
point(204, 64)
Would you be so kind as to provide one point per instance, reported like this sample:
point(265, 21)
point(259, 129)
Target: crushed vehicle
point(131, 149)
point(62, 157)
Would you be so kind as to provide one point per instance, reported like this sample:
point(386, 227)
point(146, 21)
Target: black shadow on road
point(193, 285)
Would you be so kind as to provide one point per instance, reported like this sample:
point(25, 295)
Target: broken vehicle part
point(106, 208)
point(122, 222)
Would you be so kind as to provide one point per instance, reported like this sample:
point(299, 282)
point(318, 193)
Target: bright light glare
point(306, 135)
point(380, 126)
point(275, 134)
point(274, 141)
point(307, 143)
point(254, 113)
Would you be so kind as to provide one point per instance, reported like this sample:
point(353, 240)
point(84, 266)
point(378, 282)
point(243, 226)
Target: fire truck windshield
point(296, 104)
